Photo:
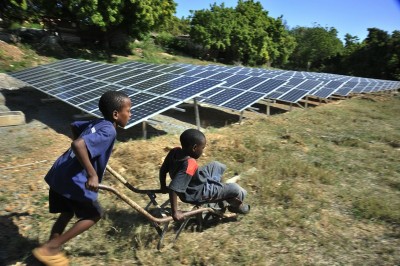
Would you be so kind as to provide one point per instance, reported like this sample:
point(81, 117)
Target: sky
point(347, 16)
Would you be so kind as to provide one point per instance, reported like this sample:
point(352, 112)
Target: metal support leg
point(144, 128)
point(196, 111)
point(162, 235)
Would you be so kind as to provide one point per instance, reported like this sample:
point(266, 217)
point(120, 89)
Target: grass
point(324, 189)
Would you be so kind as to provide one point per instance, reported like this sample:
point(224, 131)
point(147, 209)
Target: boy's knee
point(220, 165)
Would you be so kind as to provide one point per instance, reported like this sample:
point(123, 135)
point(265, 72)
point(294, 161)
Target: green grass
point(324, 189)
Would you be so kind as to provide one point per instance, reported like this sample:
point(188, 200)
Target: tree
point(394, 57)
point(243, 34)
point(314, 46)
point(134, 17)
point(213, 29)
point(176, 26)
point(15, 11)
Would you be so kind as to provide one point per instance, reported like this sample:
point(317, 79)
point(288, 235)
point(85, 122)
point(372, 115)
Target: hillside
point(324, 185)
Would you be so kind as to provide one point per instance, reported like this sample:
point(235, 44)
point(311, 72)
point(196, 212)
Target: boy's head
point(193, 142)
point(115, 107)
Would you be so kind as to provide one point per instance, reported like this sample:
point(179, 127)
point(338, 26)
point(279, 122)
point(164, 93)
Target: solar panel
point(249, 83)
point(234, 79)
point(153, 88)
point(268, 86)
point(194, 89)
point(138, 78)
point(244, 100)
point(156, 81)
point(223, 96)
point(81, 83)
point(172, 85)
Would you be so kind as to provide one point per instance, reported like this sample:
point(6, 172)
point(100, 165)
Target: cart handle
point(147, 214)
point(129, 185)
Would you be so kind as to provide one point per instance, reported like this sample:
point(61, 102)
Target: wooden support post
point(144, 129)
point(290, 107)
point(306, 104)
point(196, 112)
point(268, 109)
point(241, 117)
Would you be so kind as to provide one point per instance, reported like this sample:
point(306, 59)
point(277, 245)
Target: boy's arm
point(75, 133)
point(82, 154)
point(176, 214)
point(162, 177)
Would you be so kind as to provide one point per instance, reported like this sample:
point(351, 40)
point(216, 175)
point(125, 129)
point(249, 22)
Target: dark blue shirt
point(67, 176)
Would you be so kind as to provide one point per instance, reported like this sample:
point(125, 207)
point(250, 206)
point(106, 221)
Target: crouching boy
point(194, 184)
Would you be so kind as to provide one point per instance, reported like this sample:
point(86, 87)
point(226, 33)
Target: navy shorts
point(82, 209)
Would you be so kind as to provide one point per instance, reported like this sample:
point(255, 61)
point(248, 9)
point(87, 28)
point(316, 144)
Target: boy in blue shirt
point(75, 176)
point(194, 184)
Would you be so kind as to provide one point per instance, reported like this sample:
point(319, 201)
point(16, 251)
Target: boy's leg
point(230, 192)
point(53, 246)
point(62, 222)
point(88, 213)
point(213, 170)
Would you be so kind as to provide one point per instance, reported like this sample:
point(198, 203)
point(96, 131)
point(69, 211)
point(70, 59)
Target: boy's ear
point(194, 147)
point(115, 114)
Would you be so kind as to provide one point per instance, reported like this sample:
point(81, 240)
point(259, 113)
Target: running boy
point(198, 185)
point(75, 176)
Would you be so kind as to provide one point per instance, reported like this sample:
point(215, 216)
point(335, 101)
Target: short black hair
point(111, 101)
point(190, 137)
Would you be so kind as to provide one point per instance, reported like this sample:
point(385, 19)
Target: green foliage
point(243, 34)
point(314, 46)
point(164, 39)
point(378, 56)
point(136, 18)
point(175, 26)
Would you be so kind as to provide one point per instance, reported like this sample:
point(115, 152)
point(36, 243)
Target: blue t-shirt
point(67, 176)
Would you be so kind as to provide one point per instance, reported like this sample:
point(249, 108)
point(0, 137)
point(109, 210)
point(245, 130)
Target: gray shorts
point(215, 190)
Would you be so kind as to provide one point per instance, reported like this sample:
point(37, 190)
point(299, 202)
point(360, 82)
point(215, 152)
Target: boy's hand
point(178, 216)
point(92, 183)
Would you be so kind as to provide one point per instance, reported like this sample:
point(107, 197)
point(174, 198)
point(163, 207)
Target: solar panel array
point(81, 84)
point(245, 86)
point(155, 88)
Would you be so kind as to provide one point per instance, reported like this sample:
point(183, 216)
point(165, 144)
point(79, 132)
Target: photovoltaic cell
point(245, 100)
point(193, 89)
point(221, 76)
point(268, 86)
point(173, 85)
point(125, 74)
point(193, 72)
point(249, 83)
point(69, 87)
point(293, 95)
point(234, 79)
point(150, 83)
point(224, 96)
point(139, 78)
point(75, 92)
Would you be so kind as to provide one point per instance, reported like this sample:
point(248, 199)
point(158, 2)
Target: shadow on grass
point(125, 224)
point(14, 246)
